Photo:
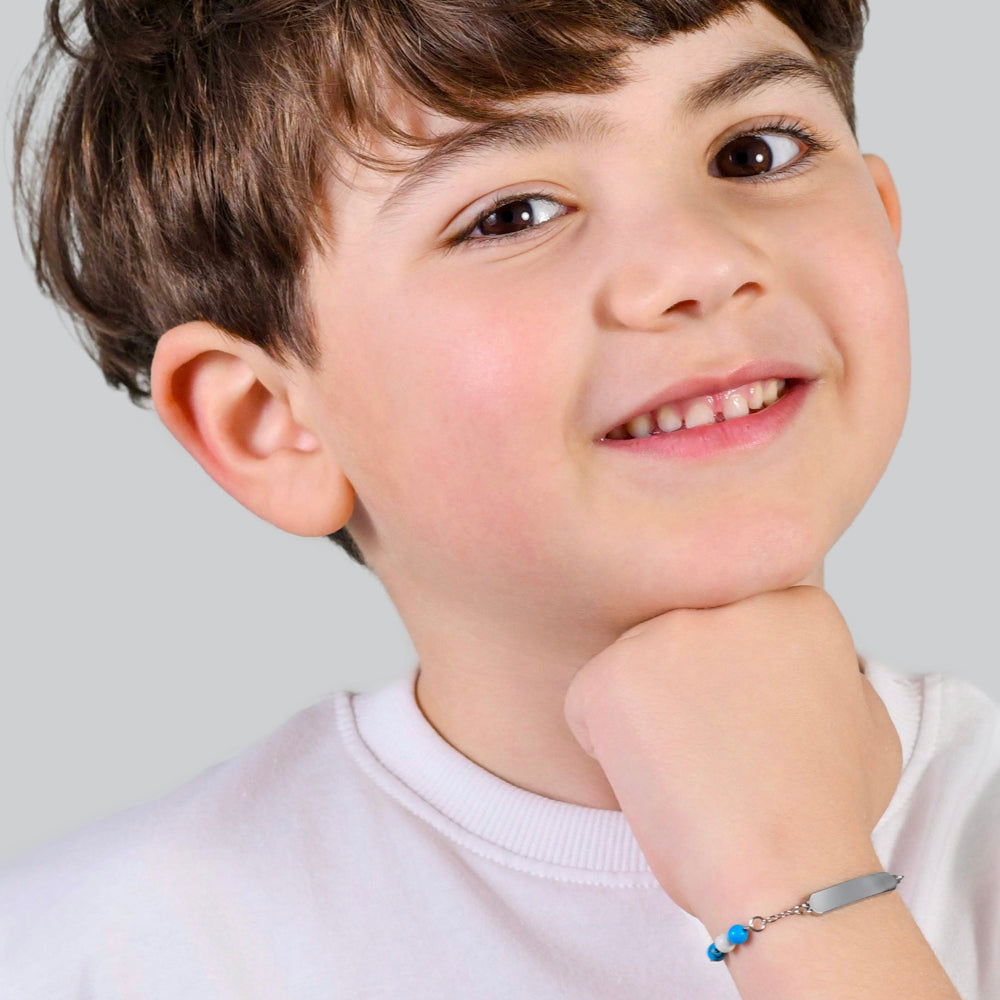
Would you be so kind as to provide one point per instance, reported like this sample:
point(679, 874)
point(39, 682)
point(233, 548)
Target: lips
point(710, 385)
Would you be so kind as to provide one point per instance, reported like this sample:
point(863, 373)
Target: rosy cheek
point(853, 280)
point(846, 265)
point(430, 391)
point(486, 362)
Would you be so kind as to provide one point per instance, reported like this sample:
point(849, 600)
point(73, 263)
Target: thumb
point(574, 710)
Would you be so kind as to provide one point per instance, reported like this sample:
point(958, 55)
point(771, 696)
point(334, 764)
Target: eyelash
point(813, 141)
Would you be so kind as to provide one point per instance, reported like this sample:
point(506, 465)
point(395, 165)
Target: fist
point(743, 743)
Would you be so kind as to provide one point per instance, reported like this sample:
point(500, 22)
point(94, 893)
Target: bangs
point(465, 60)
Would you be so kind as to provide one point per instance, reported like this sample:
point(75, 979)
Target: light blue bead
point(714, 954)
point(737, 934)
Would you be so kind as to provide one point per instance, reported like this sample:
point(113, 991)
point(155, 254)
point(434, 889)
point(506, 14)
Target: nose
point(684, 260)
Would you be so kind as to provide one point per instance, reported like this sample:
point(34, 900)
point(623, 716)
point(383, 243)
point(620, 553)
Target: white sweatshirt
point(354, 854)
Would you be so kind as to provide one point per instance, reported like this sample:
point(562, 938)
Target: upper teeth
point(701, 410)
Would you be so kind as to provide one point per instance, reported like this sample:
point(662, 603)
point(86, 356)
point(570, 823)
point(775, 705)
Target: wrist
point(764, 889)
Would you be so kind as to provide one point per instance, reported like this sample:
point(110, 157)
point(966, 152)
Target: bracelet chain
point(800, 908)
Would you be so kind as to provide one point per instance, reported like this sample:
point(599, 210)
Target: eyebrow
point(535, 131)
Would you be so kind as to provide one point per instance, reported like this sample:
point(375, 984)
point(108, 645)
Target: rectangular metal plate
point(851, 891)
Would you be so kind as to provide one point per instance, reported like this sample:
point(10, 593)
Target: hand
point(748, 752)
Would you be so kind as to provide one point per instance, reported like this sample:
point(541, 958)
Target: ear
point(886, 186)
point(227, 403)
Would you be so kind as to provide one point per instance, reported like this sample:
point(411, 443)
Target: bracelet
point(821, 901)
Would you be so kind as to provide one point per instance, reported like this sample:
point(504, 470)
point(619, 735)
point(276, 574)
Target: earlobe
point(886, 187)
point(227, 403)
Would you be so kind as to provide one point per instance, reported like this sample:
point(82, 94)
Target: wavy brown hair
point(180, 173)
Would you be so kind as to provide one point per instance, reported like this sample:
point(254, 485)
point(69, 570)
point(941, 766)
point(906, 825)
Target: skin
point(678, 749)
point(452, 424)
point(744, 805)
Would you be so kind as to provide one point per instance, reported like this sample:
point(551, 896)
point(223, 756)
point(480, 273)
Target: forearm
point(869, 950)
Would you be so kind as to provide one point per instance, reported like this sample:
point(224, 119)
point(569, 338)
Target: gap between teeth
point(699, 412)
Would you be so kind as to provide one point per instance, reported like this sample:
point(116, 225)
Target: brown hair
point(181, 174)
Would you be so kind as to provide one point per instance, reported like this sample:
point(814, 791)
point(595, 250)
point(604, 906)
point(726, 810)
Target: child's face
point(463, 391)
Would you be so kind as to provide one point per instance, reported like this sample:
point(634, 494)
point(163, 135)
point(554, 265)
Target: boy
point(619, 742)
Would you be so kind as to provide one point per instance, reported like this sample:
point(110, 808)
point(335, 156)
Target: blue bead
point(714, 954)
point(737, 934)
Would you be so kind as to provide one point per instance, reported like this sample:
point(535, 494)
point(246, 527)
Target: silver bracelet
point(821, 901)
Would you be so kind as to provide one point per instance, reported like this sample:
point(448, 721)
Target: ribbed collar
point(393, 742)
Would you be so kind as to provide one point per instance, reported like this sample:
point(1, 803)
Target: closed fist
point(743, 743)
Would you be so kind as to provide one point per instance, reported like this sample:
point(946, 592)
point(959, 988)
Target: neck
point(501, 705)
point(512, 724)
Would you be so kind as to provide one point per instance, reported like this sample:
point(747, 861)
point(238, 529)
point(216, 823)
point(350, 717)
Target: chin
point(744, 559)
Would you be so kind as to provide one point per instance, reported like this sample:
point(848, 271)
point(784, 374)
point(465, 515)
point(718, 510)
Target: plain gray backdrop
point(153, 627)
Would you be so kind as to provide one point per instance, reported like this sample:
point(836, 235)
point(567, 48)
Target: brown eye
point(751, 155)
point(505, 219)
point(512, 218)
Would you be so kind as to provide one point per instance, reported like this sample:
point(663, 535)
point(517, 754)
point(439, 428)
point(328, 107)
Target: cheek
point(479, 375)
point(462, 391)
point(850, 268)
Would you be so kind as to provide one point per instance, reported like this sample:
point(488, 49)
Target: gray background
point(152, 627)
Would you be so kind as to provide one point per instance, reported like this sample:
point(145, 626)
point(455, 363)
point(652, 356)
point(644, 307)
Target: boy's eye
point(755, 154)
point(767, 153)
point(500, 220)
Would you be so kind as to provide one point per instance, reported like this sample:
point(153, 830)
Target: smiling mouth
point(733, 404)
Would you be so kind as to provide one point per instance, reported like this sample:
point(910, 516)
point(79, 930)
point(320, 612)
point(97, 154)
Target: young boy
point(596, 460)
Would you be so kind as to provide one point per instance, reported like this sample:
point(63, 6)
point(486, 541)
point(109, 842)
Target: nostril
point(688, 305)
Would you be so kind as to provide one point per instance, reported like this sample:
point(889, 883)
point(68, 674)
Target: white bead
point(723, 943)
